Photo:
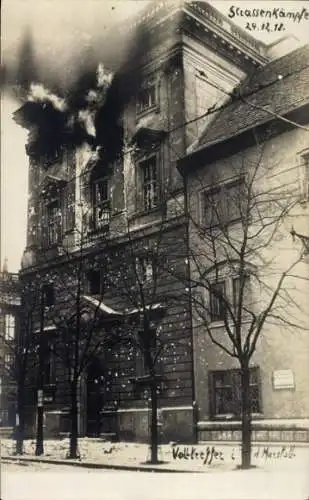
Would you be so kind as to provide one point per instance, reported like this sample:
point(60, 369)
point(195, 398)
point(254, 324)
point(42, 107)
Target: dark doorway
point(95, 397)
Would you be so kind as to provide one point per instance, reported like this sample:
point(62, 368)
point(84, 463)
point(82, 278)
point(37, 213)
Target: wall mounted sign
point(283, 379)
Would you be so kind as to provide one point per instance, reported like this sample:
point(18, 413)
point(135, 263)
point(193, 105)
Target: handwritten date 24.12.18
point(266, 26)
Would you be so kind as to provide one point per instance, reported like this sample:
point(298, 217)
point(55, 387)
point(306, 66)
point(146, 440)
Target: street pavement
point(50, 482)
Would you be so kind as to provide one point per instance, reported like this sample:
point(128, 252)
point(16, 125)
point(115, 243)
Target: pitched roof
point(280, 86)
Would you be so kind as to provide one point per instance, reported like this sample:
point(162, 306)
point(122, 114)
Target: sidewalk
point(97, 453)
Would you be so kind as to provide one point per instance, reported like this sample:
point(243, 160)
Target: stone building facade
point(89, 213)
point(9, 328)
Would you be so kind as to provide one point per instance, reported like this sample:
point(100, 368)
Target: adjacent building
point(247, 189)
point(9, 328)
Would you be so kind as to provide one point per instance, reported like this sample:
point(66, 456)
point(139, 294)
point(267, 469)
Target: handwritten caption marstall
point(208, 455)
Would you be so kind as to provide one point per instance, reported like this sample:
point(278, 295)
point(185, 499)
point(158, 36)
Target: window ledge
point(152, 109)
point(144, 213)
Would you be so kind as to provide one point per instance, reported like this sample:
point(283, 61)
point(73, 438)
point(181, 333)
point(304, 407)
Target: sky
point(59, 28)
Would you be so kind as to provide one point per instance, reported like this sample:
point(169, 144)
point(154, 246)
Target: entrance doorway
point(95, 397)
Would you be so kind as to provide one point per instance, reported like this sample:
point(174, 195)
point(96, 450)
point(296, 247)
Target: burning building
point(107, 230)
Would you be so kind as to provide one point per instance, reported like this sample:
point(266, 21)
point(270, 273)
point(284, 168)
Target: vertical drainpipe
point(194, 404)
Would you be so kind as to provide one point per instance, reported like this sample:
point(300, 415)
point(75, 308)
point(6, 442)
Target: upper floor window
point(217, 301)
point(101, 204)
point(224, 204)
point(9, 327)
point(147, 98)
point(227, 295)
point(54, 222)
point(225, 387)
point(149, 183)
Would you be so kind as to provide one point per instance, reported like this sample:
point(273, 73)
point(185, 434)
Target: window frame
point(152, 183)
point(8, 327)
point(105, 205)
point(226, 218)
point(235, 375)
point(147, 273)
point(8, 361)
point(150, 87)
point(220, 306)
point(54, 221)
point(229, 293)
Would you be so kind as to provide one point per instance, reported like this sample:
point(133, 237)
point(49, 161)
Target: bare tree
point(241, 234)
point(81, 331)
point(145, 291)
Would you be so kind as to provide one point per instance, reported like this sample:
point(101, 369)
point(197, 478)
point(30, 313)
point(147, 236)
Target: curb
point(94, 465)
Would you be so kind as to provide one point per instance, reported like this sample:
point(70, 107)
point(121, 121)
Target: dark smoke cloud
point(124, 86)
point(58, 128)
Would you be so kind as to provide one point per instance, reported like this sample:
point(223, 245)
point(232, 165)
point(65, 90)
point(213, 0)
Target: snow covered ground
point(198, 458)
point(282, 472)
point(39, 482)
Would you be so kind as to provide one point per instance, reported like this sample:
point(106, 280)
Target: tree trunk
point(245, 417)
point(20, 428)
point(73, 453)
point(154, 422)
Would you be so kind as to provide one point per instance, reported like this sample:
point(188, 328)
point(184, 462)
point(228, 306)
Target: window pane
point(149, 181)
point(226, 387)
point(217, 304)
point(213, 207)
point(101, 204)
point(147, 98)
point(54, 222)
point(224, 401)
point(102, 191)
point(235, 201)
point(9, 327)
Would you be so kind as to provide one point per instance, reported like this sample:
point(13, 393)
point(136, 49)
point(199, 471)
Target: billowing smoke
point(124, 86)
point(86, 105)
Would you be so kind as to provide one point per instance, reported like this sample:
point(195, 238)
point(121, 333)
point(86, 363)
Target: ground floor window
point(225, 392)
